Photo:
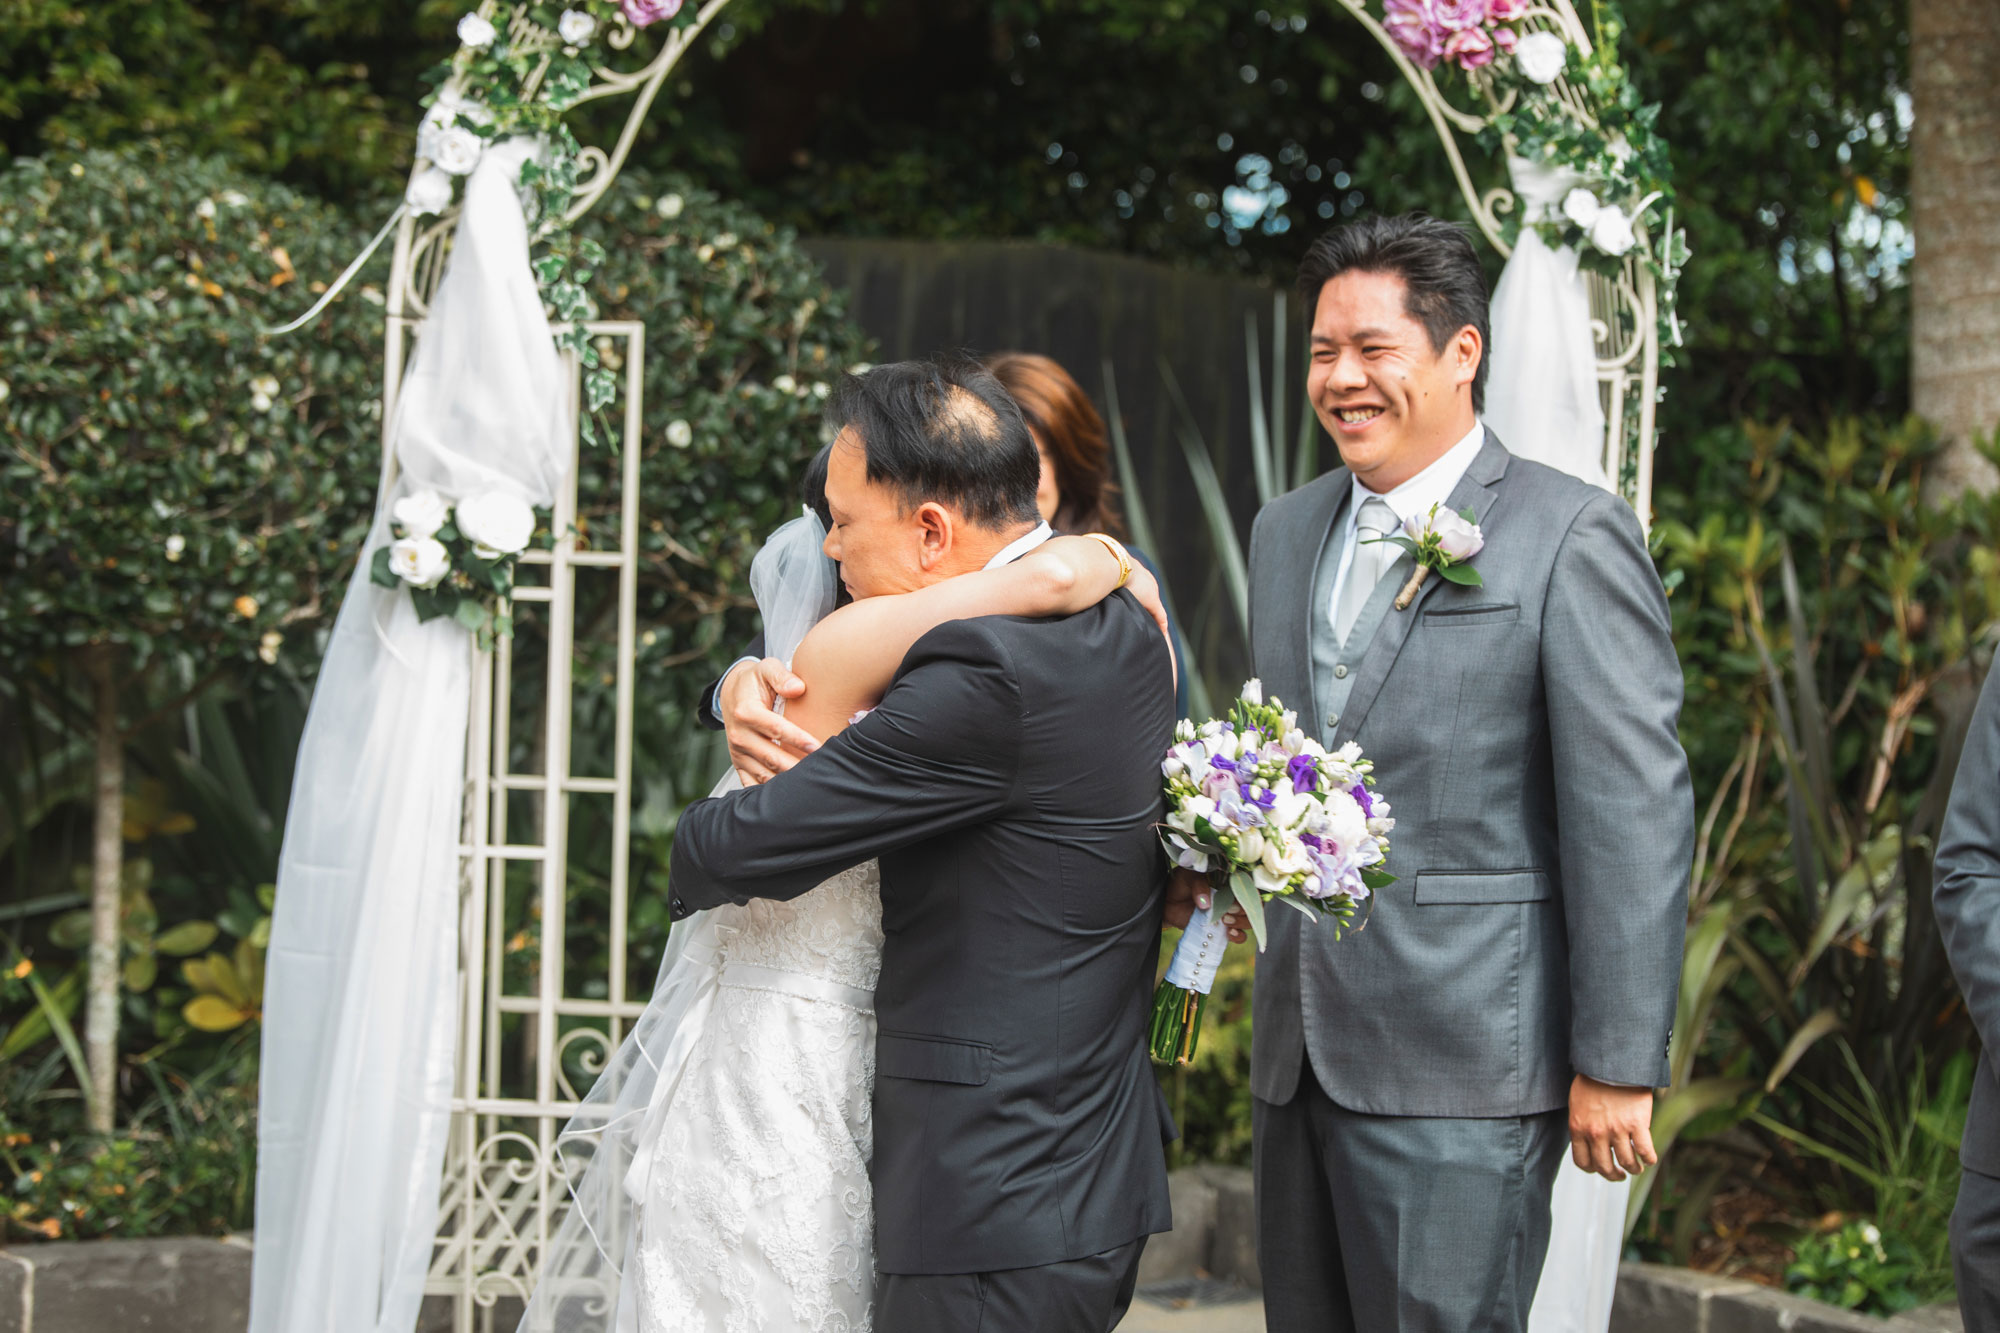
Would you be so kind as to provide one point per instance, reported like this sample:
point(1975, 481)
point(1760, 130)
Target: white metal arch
point(502, 1191)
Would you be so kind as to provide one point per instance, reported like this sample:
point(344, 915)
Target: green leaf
point(379, 572)
point(1376, 878)
point(1252, 903)
point(212, 1013)
point(71, 930)
point(190, 937)
point(140, 971)
point(1463, 575)
point(471, 614)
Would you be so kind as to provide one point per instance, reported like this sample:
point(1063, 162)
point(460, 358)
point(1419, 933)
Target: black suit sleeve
point(704, 710)
point(940, 753)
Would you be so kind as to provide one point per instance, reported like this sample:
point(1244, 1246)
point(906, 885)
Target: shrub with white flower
point(1268, 815)
point(458, 561)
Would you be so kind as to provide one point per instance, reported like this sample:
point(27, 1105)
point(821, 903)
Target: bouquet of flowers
point(1269, 816)
point(458, 560)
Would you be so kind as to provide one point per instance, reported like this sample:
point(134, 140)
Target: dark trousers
point(1975, 1251)
point(1400, 1224)
point(1076, 1296)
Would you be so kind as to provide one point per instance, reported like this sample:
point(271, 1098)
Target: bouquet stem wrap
point(1183, 994)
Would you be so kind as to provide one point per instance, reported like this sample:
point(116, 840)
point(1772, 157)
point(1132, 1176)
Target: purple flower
point(1304, 772)
point(1263, 799)
point(1233, 810)
point(1363, 798)
point(644, 13)
point(1227, 765)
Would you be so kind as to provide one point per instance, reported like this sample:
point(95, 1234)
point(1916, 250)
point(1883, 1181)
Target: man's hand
point(761, 743)
point(1186, 891)
point(1611, 1128)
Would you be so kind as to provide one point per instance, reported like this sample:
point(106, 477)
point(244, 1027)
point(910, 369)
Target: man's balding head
point(943, 430)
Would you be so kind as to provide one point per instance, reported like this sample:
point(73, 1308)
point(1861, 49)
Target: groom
point(1009, 781)
point(1415, 1084)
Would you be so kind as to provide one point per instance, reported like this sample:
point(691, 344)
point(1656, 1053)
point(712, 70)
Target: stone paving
point(1235, 1317)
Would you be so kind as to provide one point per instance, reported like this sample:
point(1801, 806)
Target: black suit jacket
point(1009, 782)
point(1966, 897)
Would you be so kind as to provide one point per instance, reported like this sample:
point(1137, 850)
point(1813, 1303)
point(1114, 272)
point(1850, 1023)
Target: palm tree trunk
point(1955, 217)
point(107, 864)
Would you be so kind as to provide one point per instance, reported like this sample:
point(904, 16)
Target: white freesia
point(1284, 857)
point(1191, 809)
point(429, 192)
point(1456, 538)
point(421, 514)
point(576, 27)
point(1581, 207)
point(1541, 56)
point(1250, 845)
point(1611, 231)
point(1253, 692)
point(1292, 809)
point(1183, 729)
point(419, 561)
point(476, 32)
point(457, 150)
point(498, 522)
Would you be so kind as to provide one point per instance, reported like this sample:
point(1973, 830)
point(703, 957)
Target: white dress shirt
point(1432, 486)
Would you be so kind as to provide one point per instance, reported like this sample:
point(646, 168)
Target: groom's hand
point(761, 743)
point(1186, 891)
point(1610, 1128)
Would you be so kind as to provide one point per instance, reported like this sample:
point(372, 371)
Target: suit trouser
point(1400, 1224)
point(1088, 1295)
point(1975, 1251)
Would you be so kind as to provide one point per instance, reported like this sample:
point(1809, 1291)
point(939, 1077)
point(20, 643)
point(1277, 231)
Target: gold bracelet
point(1118, 554)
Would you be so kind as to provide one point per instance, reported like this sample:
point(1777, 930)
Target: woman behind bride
point(719, 1166)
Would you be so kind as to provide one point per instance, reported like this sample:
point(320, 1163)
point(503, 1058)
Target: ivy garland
point(519, 68)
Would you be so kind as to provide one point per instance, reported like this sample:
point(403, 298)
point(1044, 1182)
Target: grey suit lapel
point(1474, 490)
point(1292, 587)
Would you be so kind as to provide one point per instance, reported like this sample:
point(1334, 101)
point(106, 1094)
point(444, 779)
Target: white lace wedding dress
point(757, 1216)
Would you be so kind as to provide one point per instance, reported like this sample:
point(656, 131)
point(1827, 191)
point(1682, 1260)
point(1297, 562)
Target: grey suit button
point(1340, 672)
point(1333, 719)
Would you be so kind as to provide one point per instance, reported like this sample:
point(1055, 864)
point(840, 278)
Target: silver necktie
point(1371, 561)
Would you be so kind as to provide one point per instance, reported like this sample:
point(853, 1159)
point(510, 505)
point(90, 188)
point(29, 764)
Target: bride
point(719, 1166)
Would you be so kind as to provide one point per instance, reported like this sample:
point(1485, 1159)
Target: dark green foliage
point(174, 480)
point(1857, 1267)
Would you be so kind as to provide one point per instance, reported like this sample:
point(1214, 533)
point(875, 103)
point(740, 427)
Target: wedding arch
point(1527, 82)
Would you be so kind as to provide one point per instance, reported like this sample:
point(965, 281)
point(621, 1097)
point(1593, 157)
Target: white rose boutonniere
point(496, 523)
point(1440, 541)
point(1541, 57)
point(420, 562)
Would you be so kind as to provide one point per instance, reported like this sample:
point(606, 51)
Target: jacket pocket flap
point(1483, 886)
point(935, 1059)
point(1482, 614)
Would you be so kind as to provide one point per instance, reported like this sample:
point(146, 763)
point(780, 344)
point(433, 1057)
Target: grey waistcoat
point(1334, 664)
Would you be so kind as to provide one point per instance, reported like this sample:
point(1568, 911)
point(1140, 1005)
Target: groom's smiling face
point(1392, 400)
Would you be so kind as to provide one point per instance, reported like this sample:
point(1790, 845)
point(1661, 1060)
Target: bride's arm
point(849, 658)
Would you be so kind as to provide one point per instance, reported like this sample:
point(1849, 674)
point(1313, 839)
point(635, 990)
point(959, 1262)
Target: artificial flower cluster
point(457, 561)
point(1467, 33)
point(1269, 815)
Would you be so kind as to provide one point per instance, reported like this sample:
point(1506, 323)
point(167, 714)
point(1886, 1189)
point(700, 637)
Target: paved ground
point(1236, 1317)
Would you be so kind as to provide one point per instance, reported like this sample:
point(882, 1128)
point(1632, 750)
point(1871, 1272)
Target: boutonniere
point(1443, 541)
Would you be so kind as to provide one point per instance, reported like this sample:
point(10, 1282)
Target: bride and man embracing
point(895, 1072)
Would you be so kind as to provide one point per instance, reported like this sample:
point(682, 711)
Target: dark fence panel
point(1084, 309)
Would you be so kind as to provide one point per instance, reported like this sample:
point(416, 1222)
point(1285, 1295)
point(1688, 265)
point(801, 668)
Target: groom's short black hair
point(1445, 287)
point(943, 429)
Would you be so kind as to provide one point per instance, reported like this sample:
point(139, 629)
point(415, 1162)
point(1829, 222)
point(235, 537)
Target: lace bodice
point(833, 932)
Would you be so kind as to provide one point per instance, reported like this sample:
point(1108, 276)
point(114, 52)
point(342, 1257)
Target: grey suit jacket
point(1525, 734)
point(1966, 897)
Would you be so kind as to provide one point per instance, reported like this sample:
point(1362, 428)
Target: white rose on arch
point(496, 523)
point(576, 27)
point(1541, 57)
point(1611, 231)
point(421, 514)
point(419, 561)
point(1581, 207)
point(476, 31)
point(457, 150)
point(429, 192)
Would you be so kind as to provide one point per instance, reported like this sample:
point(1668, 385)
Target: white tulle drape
point(1541, 391)
point(606, 1150)
point(360, 997)
point(1541, 399)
